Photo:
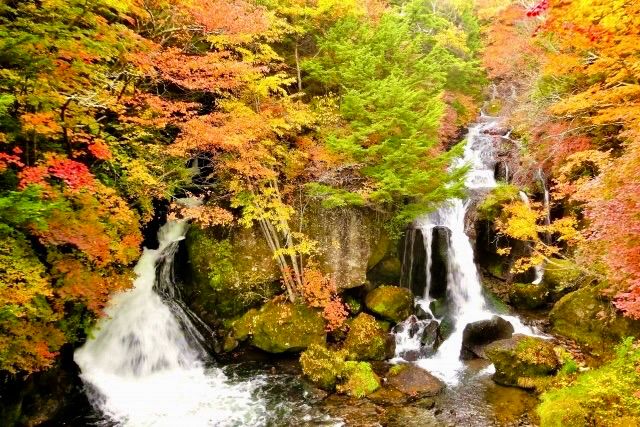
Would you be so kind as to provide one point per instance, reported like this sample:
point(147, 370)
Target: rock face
point(352, 241)
point(367, 340)
point(359, 379)
point(439, 262)
point(414, 258)
point(414, 381)
point(520, 359)
point(228, 274)
point(562, 277)
point(278, 328)
point(588, 317)
point(390, 302)
point(477, 335)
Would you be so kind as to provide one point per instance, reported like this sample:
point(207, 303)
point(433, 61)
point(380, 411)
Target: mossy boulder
point(391, 302)
point(359, 379)
point(528, 295)
point(281, 327)
point(563, 276)
point(588, 317)
point(521, 359)
point(367, 340)
point(322, 366)
point(228, 273)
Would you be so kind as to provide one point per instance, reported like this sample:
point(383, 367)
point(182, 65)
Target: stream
point(147, 363)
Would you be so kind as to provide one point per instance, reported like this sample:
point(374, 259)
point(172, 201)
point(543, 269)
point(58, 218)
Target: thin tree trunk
point(298, 72)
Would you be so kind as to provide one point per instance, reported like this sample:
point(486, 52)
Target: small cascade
point(145, 365)
point(465, 298)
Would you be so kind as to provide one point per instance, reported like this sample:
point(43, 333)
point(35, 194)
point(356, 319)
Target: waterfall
point(464, 289)
point(145, 365)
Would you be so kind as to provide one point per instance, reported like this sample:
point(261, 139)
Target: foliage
point(491, 207)
point(605, 396)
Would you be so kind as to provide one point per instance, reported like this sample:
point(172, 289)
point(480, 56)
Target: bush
point(607, 396)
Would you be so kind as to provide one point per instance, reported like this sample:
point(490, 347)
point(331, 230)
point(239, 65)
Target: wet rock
point(422, 314)
point(409, 416)
point(431, 339)
point(528, 295)
point(477, 335)
point(521, 359)
point(285, 327)
point(354, 412)
point(439, 262)
point(388, 397)
point(390, 302)
point(413, 381)
point(414, 258)
point(359, 380)
point(367, 340)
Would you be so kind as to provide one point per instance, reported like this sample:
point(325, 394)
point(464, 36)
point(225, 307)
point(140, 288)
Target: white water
point(464, 289)
point(145, 366)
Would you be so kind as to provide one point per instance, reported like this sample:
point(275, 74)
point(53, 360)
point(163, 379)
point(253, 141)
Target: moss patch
point(366, 339)
point(360, 380)
point(606, 396)
point(277, 328)
point(390, 302)
point(322, 366)
point(528, 295)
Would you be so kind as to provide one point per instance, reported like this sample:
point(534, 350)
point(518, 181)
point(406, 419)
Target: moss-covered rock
point(588, 317)
point(280, 327)
point(521, 358)
point(367, 340)
point(359, 379)
point(563, 276)
point(528, 295)
point(228, 274)
point(390, 302)
point(322, 366)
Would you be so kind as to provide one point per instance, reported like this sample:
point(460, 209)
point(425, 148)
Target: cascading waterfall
point(145, 365)
point(464, 290)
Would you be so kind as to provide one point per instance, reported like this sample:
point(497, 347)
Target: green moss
point(588, 317)
point(396, 369)
point(354, 305)
point(243, 327)
point(604, 397)
point(229, 275)
point(390, 302)
point(563, 276)
point(366, 340)
point(528, 295)
point(322, 366)
point(360, 380)
point(277, 328)
point(520, 359)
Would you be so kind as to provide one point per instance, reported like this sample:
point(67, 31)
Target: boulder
point(562, 277)
point(528, 295)
point(521, 359)
point(588, 317)
point(367, 340)
point(390, 302)
point(322, 366)
point(477, 335)
point(281, 327)
point(359, 379)
point(413, 381)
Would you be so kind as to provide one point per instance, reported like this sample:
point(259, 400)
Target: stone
point(390, 302)
point(282, 327)
point(367, 340)
point(477, 335)
point(413, 381)
point(562, 277)
point(414, 258)
point(528, 295)
point(521, 359)
point(431, 339)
